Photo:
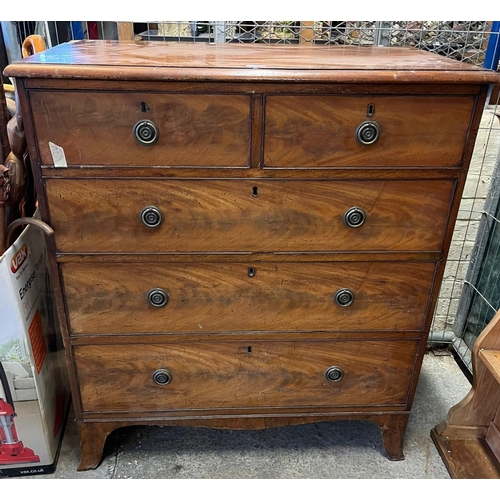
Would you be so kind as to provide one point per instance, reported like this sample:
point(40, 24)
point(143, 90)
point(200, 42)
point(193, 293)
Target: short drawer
point(104, 215)
point(98, 128)
point(261, 374)
point(229, 297)
point(321, 131)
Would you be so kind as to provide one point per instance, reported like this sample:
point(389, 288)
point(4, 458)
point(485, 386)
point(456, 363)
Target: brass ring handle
point(162, 377)
point(151, 217)
point(354, 217)
point(157, 297)
point(344, 297)
point(334, 374)
point(23, 221)
point(367, 133)
point(146, 132)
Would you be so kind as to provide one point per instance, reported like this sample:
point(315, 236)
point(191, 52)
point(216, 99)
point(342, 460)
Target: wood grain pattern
point(492, 361)
point(125, 31)
point(222, 297)
point(190, 86)
point(102, 215)
point(466, 458)
point(225, 375)
point(92, 439)
point(428, 108)
point(200, 336)
point(468, 439)
point(496, 421)
point(393, 428)
point(246, 418)
point(478, 408)
point(93, 433)
point(164, 172)
point(237, 62)
point(493, 438)
point(320, 131)
point(247, 257)
point(95, 128)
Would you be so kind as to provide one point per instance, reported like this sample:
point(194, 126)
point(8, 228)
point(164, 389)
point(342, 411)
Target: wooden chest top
point(144, 60)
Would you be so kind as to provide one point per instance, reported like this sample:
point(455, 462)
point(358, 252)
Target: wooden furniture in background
point(246, 236)
point(469, 439)
point(306, 33)
point(17, 196)
point(125, 31)
point(33, 44)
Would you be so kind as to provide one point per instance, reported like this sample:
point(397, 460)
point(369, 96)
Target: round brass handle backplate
point(344, 297)
point(162, 377)
point(334, 374)
point(151, 217)
point(354, 217)
point(367, 133)
point(157, 297)
point(145, 132)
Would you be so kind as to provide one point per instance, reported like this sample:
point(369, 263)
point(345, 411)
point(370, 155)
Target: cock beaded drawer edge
point(246, 236)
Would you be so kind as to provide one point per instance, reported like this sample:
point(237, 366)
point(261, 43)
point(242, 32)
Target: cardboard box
point(34, 393)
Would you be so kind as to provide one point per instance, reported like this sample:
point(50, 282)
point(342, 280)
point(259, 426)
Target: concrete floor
point(326, 450)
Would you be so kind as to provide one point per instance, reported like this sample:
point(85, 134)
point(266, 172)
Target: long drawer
point(232, 374)
point(100, 128)
point(104, 215)
point(322, 131)
point(227, 297)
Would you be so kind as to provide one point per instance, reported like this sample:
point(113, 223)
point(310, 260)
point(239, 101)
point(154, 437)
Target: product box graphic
point(34, 388)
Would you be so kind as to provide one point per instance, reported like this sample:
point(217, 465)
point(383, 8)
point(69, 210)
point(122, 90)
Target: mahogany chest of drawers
point(246, 236)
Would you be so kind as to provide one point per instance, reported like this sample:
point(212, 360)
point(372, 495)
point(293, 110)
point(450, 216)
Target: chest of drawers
point(246, 237)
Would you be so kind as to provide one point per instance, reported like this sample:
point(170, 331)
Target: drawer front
point(96, 128)
point(258, 374)
point(113, 298)
point(103, 215)
point(320, 131)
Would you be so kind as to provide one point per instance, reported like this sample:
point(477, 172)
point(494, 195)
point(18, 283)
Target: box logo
point(18, 260)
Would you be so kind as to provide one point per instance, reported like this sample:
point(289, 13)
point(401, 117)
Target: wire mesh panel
point(462, 40)
point(480, 297)
point(291, 32)
point(486, 291)
point(483, 169)
point(483, 293)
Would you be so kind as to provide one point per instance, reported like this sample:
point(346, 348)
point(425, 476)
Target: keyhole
point(251, 272)
point(255, 191)
point(370, 110)
point(144, 107)
point(245, 349)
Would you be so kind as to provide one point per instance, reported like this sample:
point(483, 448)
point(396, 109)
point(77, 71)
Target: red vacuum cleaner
point(12, 451)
